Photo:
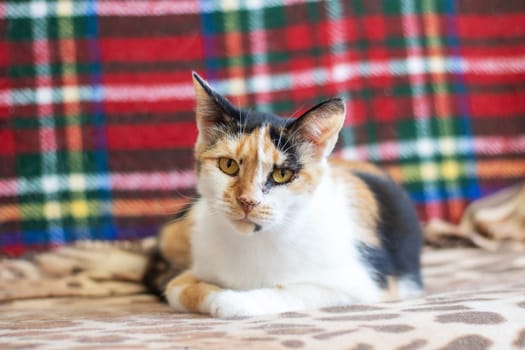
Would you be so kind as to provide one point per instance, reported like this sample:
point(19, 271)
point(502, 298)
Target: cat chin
point(245, 227)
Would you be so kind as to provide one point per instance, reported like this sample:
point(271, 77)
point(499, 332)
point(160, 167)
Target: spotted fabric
point(475, 300)
point(476, 319)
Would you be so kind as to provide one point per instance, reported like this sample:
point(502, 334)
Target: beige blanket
point(475, 300)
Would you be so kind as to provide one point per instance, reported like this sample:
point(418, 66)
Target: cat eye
point(228, 166)
point(281, 176)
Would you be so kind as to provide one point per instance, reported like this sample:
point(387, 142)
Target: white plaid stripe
point(75, 182)
point(20, 9)
point(261, 83)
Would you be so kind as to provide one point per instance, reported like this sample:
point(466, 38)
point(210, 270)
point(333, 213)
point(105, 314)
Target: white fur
point(172, 296)
point(260, 152)
point(307, 259)
point(408, 288)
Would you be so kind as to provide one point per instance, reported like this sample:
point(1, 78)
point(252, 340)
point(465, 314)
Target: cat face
point(257, 170)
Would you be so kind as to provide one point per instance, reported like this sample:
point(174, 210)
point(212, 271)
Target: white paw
point(228, 304)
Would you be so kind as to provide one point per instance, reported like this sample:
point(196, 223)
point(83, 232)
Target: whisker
point(245, 121)
point(297, 110)
point(280, 137)
point(292, 137)
point(295, 131)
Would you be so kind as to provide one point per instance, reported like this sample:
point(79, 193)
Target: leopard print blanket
point(475, 300)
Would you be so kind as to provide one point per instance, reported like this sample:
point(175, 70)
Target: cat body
point(278, 225)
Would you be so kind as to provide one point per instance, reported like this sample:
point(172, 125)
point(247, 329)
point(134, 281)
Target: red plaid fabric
point(96, 121)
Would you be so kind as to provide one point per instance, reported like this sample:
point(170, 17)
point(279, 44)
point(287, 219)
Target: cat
point(278, 226)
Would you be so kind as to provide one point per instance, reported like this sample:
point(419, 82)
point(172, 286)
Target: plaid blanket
point(96, 122)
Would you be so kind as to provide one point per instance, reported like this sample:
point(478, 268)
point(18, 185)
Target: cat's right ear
point(320, 126)
point(212, 109)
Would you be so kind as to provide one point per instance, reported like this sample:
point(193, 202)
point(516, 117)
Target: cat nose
point(247, 204)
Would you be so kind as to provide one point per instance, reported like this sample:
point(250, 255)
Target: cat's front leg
point(186, 293)
point(230, 303)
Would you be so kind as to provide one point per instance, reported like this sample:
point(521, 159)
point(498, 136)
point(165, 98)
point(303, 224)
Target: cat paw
point(230, 304)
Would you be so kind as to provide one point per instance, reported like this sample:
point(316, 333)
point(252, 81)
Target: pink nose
point(247, 204)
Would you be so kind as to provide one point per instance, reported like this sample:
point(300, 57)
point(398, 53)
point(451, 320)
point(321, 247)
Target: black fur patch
point(158, 273)
point(159, 270)
point(398, 229)
point(379, 261)
point(240, 120)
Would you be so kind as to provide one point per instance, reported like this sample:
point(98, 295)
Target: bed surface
point(475, 300)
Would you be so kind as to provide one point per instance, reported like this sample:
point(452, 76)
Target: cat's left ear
point(212, 108)
point(320, 126)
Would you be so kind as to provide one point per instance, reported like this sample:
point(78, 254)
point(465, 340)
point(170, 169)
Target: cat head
point(257, 169)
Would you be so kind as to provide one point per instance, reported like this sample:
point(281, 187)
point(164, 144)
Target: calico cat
point(278, 225)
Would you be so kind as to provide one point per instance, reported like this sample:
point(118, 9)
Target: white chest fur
point(317, 247)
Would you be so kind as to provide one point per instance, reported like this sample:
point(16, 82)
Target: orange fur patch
point(368, 207)
point(193, 292)
point(181, 280)
point(174, 241)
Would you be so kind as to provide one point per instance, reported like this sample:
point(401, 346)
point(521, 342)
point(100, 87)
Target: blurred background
point(96, 100)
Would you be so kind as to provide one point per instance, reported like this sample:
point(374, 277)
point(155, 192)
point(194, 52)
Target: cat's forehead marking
point(258, 148)
point(261, 146)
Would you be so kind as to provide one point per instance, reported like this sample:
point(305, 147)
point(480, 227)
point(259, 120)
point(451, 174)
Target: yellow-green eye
point(228, 166)
point(282, 176)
